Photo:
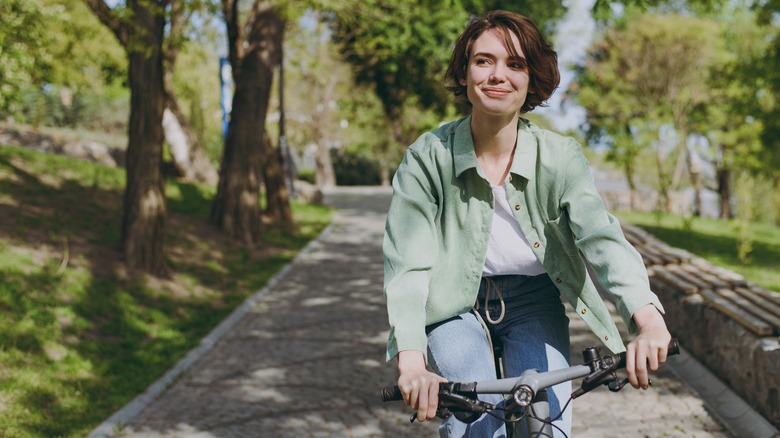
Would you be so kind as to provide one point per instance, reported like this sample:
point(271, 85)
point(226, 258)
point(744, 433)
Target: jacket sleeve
point(410, 247)
point(617, 265)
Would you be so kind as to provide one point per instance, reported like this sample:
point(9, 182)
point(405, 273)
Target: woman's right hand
point(419, 386)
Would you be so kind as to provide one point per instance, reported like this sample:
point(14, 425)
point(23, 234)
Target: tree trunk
point(189, 158)
point(144, 217)
point(724, 192)
point(277, 205)
point(664, 201)
point(188, 155)
point(695, 178)
point(628, 171)
point(325, 175)
point(776, 198)
point(236, 208)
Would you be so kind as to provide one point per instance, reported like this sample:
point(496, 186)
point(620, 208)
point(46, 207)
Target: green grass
point(716, 241)
point(78, 340)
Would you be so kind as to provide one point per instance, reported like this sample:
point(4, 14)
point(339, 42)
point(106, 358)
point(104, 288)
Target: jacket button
point(536, 244)
point(606, 338)
point(517, 207)
point(583, 311)
point(558, 280)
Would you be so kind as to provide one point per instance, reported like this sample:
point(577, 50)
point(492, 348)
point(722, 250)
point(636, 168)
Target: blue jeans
point(534, 332)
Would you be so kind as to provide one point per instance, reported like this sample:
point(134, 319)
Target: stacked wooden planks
point(755, 308)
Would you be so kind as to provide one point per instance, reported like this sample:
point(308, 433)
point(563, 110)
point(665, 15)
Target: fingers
point(433, 401)
point(631, 364)
point(636, 364)
point(422, 404)
point(643, 356)
point(421, 393)
point(641, 368)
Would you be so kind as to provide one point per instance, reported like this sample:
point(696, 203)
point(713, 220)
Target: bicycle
point(526, 395)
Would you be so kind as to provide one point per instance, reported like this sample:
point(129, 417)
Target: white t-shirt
point(509, 252)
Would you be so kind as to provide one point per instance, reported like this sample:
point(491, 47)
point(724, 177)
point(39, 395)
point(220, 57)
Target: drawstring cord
point(491, 286)
point(475, 310)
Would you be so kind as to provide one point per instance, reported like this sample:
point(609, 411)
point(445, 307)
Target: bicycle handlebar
point(598, 370)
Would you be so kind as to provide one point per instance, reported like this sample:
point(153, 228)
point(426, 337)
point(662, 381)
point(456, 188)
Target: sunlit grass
point(79, 337)
point(716, 241)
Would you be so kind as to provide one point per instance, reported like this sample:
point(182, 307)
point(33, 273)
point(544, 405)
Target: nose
point(498, 74)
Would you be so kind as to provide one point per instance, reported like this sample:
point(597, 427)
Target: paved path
point(308, 359)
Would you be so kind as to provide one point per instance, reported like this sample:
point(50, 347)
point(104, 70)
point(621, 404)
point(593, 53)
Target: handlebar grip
point(674, 347)
point(391, 393)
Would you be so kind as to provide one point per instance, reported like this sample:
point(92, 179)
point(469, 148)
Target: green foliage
point(401, 50)
point(23, 41)
point(642, 77)
point(59, 66)
point(355, 169)
point(79, 338)
point(716, 240)
point(729, 120)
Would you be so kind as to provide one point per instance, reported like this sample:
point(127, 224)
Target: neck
point(493, 135)
point(494, 143)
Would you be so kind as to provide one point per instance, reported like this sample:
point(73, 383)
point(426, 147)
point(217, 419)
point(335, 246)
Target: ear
point(463, 82)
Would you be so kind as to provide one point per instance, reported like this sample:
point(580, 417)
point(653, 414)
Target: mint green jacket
point(439, 221)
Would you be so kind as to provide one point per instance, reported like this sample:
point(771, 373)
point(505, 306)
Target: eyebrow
point(492, 56)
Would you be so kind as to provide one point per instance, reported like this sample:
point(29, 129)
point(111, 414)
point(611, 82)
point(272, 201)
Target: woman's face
point(496, 83)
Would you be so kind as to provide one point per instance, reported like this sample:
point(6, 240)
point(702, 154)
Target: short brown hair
point(542, 59)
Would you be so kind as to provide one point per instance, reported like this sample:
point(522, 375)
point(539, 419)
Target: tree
point(188, 154)
point(647, 75)
point(140, 28)
point(23, 41)
point(50, 47)
point(768, 85)
point(254, 51)
point(729, 121)
point(400, 49)
point(315, 94)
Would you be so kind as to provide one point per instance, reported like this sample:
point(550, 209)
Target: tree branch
point(235, 35)
point(110, 19)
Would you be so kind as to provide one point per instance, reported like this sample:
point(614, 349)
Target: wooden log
point(658, 254)
point(744, 318)
point(675, 281)
point(689, 277)
point(752, 307)
point(768, 294)
point(732, 277)
point(681, 254)
point(760, 300)
point(648, 258)
point(637, 234)
point(704, 274)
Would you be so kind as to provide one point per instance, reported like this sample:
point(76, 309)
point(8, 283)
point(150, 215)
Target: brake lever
point(450, 403)
point(616, 386)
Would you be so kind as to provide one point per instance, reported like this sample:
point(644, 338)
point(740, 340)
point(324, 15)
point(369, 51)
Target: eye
point(481, 61)
point(518, 64)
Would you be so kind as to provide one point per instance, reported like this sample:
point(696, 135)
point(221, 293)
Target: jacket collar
point(523, 163)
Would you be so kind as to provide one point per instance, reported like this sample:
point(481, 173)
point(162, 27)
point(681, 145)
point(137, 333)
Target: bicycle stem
point(533, 379)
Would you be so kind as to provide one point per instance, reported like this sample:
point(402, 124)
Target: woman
point(489, 219)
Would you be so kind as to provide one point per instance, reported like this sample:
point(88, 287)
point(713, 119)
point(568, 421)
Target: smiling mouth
point(495, 91)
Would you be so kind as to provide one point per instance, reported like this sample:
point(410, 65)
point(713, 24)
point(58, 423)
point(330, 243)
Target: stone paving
point(308, 359)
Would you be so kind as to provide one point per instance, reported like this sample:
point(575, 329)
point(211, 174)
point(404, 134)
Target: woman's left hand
point(649, 348)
